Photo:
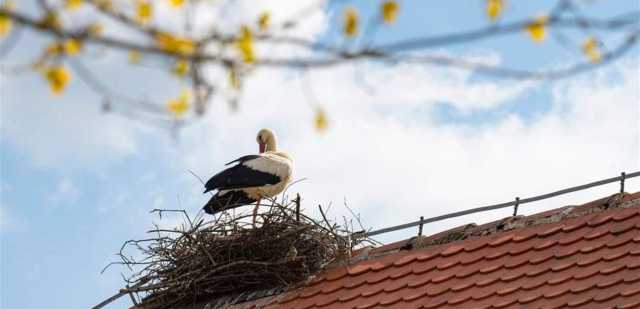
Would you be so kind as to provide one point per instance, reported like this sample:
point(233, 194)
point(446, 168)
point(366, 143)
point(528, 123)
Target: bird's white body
point(252, 178)
point(276, 163)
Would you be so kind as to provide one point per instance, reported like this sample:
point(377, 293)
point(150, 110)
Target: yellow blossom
point(176, 3)
point(73, 4)
point(244, 43)
point(350, 22)
point(175, 44)
point(181, 68)
point(144, 11)
point(591, 49)
point(180, 105)
point(69, 47)
point(494, 8)
point(5, 21)
point(536, 29)
point(58, 78)
point(72, 47)
point(320, 119)
point(264, 20)
point(134, 57)
point(389, 11)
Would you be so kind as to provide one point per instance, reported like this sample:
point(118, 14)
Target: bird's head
point(267, 140)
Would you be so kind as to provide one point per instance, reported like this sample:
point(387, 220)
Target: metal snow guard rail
point(514, 203)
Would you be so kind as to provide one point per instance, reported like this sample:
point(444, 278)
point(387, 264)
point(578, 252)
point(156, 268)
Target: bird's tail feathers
point(227, 200)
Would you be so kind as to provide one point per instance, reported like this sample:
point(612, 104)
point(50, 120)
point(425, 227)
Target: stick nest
point(205, 260)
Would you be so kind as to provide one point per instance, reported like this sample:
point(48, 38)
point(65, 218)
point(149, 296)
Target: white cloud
point(410, 84)
point(66, 192)
point(393, 171)
point(53, 131)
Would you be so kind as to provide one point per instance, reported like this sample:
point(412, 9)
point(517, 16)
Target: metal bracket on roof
point(623, 175)
point(515, 206)
point(420, 226)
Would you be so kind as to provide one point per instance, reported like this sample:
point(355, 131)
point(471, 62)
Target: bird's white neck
point(271, 144)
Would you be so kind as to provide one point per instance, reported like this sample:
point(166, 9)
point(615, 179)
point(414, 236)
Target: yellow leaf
point(180, 105)
point(536, 29)
point(264, 21)
point(58, 78)
point(5, 25)
point(181, 68)
point(320, 120)
point(72, 47)
point(494, 8)
point(69, 47)
point(5, 22)
point(176, 3)
point(134, 57)
point(350, 22)
point(389, 11)
point(175, 44)
point(591, 49)
point(144, 11)
point(73, 4)
point(244, 43)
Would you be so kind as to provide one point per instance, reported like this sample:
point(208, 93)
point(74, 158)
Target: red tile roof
point(582, 256)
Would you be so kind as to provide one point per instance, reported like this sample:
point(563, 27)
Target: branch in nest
point(229, 255)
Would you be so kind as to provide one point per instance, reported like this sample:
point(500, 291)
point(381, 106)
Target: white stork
point(253, 177)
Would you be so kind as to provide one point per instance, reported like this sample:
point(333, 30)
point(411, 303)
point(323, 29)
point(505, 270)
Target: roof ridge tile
point(525, 237)
point(573, 227)
point(599, 219)
point(501, 240)
point(451, 250)
point(550, 231)
point(404, 260)
point(622, 216)
point(447, 265)
point(546, 244)
point(570, 240)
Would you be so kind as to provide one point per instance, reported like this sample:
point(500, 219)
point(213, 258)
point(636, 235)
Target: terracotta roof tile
point(588, 257)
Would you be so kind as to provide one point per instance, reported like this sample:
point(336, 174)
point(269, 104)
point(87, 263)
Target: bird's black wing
point(243, 159)
point(240, 176)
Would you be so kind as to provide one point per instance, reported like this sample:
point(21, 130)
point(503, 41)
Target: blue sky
point(76, 183)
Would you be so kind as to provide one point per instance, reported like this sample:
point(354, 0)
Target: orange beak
point(262, 147)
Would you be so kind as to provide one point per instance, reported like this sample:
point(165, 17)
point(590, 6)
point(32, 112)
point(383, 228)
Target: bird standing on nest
point(253, 178)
